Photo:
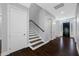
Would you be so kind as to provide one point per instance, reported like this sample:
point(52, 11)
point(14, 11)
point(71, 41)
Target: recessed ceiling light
point(62, 12)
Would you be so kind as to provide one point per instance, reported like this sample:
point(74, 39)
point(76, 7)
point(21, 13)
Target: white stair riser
point(35, 42)
point(34, 39)
point(33, 48)
point(32, 36)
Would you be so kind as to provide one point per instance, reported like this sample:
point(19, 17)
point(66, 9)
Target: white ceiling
point(65, 12)
point(26, 4)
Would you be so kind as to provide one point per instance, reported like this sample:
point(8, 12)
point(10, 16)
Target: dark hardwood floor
point(57, 47)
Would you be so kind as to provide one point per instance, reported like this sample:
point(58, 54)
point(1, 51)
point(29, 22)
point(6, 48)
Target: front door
point(66, 29)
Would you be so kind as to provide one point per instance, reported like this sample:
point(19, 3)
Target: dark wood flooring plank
point(53, 48)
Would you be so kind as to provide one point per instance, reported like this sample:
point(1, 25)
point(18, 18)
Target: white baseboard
point(8, 52)
point(47, 41)
point(53, 38)
point(77, 48)
point(5, 53)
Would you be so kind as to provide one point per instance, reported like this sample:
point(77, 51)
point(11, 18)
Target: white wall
point(4, 28)
point(34, 11)
point(44, 20)
point(0, 22)
point(77, 25)
point(59, 27)
point(54, 30)
point(6, 23)
point(78, 21)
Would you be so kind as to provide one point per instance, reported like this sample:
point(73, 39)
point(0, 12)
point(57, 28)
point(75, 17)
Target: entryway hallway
point(39, 29)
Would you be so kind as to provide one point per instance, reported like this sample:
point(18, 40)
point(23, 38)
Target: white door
point(17, 28)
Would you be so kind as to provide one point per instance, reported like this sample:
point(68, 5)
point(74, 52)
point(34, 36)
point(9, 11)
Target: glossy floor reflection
point(67, 46)
point(71, 44)
point(61, 46)
point(61, 43)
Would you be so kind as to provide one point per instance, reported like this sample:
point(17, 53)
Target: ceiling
point(26, 4)
point(65, 12)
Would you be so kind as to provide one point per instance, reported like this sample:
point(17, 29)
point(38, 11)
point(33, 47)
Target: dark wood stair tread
point(34, 37)
point(37, 44)
point(35, 40)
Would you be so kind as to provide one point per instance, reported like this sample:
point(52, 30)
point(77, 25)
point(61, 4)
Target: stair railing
point(37, 25)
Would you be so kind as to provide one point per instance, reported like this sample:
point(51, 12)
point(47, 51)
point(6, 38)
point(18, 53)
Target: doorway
point(66, 29)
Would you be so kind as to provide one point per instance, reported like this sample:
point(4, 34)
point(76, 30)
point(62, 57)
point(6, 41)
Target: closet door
point(17, 28)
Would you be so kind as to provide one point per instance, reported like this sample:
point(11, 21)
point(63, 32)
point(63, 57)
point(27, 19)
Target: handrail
point(37, 25)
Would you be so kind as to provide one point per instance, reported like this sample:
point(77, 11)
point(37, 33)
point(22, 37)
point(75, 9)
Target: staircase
point(34, 40)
